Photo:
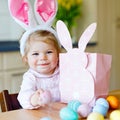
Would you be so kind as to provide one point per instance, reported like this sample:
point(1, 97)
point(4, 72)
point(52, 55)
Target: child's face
point(42, 57)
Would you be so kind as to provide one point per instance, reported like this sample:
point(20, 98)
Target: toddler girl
point(41, 82)
point(39, 49)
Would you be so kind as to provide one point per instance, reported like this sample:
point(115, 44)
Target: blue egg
point(101, 106)
point(74, 104)
point(100, 109)
point(103, 102)
point(68, 114)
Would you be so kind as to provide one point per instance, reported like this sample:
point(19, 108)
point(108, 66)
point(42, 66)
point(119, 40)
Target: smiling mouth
point(43, 64)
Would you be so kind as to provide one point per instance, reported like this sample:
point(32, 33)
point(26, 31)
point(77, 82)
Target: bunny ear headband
point(44, 14)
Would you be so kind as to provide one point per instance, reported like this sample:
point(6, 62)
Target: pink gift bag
point(83, 76)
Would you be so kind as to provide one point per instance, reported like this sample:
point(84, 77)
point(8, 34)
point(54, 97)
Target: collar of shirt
point(42, 75)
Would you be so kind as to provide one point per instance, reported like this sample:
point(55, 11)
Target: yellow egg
point(95, 116)
point(115, 115)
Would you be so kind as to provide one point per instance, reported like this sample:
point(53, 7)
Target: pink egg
point(84, 110)
point(46, 97)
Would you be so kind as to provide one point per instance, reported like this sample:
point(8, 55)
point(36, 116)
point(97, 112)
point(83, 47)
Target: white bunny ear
point(45, 11)
point(64, 35)
point(21, 11)
point(86, 36)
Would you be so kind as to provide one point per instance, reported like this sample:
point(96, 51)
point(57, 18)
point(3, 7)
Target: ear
point(64, 35)
point(21, 12)
point(45, 11)
point(25, 59)
point(86, 36)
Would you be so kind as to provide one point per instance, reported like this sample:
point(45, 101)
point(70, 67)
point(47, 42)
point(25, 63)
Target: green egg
point(68, 114)
point(74, 104)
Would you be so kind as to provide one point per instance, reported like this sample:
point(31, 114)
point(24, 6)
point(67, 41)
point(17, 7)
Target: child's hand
point(35, 98)
point(45, 98)
point(40, 98)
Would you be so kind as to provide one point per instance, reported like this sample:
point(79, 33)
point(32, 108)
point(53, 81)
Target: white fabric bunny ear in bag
point(81, 73)
point(39, 19)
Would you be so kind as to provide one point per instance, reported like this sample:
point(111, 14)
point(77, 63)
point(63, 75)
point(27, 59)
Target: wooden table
point(51, 111)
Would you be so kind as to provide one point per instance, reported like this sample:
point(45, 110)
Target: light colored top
point(33, 81)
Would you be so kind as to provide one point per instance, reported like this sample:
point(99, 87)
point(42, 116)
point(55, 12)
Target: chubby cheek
point(55, 61)
point(32, 63)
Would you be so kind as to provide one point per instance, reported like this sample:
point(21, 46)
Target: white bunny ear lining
point(42, 19)
point(65, 38)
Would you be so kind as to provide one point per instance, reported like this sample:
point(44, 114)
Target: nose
point(42, 56)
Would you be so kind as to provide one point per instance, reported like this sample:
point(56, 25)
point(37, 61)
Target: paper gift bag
point(83, 76)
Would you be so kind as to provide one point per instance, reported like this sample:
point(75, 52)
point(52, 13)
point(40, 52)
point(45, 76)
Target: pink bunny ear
point(21, 12)
point(64, 35)
point(86, 36)
point(45, 11)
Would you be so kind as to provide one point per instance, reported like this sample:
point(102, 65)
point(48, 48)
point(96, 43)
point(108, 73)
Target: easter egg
point(68, 114)
point(115, 115)
point(103, 102)
point(101, 106)
point(95, 116)
point(74, 104)
point(84, 110)
point(113, 101)
point(100, 109)
point(45, 97)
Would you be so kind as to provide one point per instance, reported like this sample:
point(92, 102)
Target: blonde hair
point(44, 36)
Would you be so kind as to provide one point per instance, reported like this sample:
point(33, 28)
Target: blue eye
point(35, 54)
point(49, 52)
